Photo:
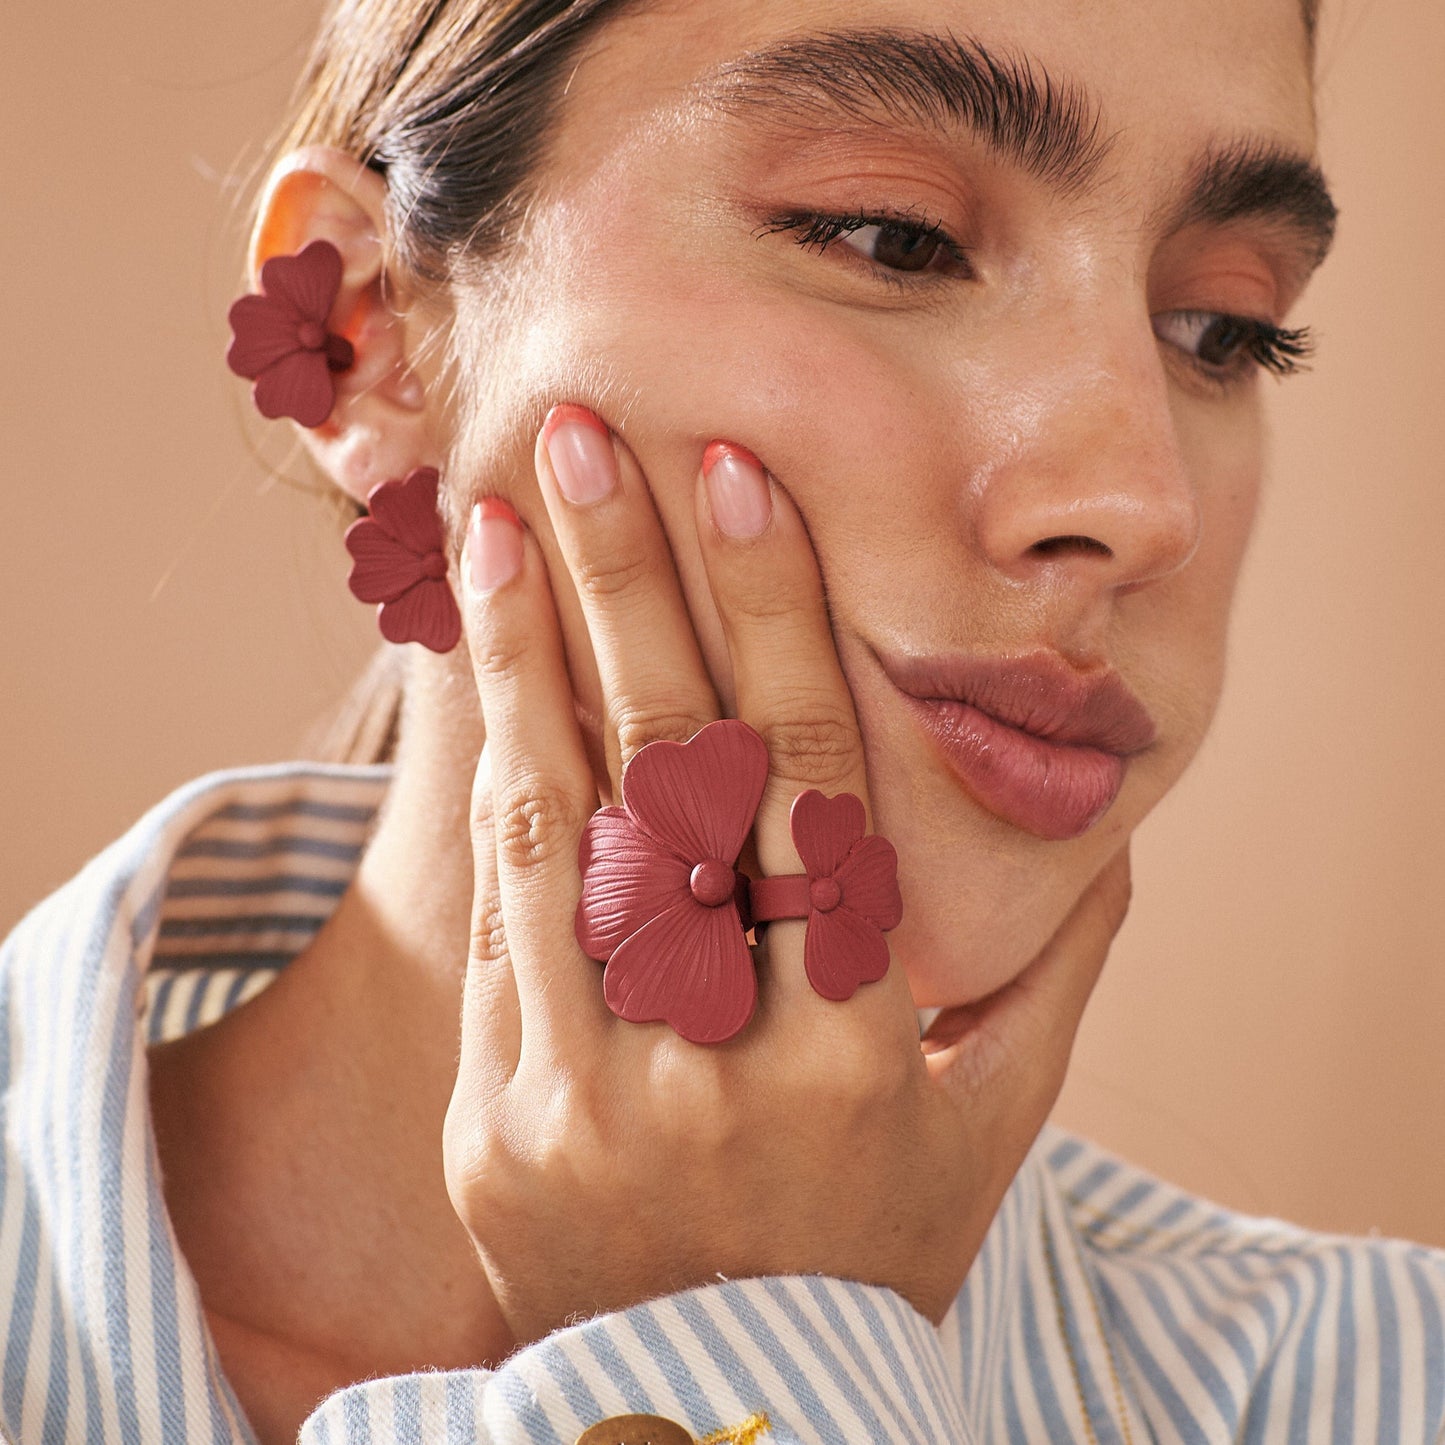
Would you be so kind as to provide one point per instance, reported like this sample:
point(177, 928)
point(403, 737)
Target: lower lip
point(1054, 790)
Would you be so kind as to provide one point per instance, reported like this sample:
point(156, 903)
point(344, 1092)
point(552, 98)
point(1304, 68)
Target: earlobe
point(378, 425)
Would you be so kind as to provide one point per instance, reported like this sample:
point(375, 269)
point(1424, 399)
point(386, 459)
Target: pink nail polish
point(579, 446)
point(738, 492)
point(494, 544)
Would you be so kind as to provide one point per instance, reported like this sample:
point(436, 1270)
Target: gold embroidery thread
point(746, 1433)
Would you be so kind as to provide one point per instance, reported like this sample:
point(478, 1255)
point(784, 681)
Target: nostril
point(1051, 546)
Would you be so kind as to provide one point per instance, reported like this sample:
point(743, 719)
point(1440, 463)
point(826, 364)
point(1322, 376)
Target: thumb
point(1025, 1031)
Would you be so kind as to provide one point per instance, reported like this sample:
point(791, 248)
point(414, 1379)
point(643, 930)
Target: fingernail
point(494, 544)
point(737, 491)
point(579, 446)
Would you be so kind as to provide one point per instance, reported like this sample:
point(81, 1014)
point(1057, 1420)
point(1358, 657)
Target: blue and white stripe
point(1105, 1306)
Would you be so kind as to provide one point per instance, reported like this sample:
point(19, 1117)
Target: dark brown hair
point(451, 101)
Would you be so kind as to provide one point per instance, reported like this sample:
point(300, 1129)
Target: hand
point(597, 1163)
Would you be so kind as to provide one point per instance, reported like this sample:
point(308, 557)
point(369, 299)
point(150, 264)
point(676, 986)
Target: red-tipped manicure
point(579, 446)
point(494, 544)
point(494, 508)
point(577, 415)
point(717, 450)
point(738, 492)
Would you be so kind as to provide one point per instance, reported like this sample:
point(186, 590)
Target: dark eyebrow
point(887, 75)
point(1259, 178)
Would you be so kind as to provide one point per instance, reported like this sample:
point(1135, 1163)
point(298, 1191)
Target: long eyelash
point(818, 231)
point(1281, 349)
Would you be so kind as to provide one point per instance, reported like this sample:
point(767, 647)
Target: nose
point(1091, 484)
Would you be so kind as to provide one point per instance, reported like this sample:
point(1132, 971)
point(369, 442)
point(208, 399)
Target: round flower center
point(712, 883)
point(312, 335)
point(434, 565)
point(824, 894)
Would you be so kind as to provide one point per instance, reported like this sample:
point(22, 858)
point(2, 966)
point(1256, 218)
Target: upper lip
point(1036, 692)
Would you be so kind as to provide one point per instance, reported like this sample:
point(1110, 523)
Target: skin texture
point(925, 440)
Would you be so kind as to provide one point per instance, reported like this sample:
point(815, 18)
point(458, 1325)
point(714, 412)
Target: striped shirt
point(1105, 1306)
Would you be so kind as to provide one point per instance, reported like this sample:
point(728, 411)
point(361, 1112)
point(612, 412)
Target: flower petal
point(407, 510)
point(382, 569)
point(307, 282)
point(699, 798)
point(426, 613)
point(264, 333)
point(869, 880)
point(299, 385)
point(824, 829)
point(627, 880)
point(689, 967)
point(842, 950)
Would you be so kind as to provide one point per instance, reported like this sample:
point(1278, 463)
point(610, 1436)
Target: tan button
point(635, 1430)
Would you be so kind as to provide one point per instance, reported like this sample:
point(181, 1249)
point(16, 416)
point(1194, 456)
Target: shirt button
point(635, 1430)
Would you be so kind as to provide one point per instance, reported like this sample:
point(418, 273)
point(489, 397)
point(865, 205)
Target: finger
point(654, 682)
point(1026, 1030)
point(542, 790)
point(790, 687)
point(491, 1011)
point(769, 594)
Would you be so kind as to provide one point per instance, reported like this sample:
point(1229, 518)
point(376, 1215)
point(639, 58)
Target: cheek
point(1187, 617)
point(683, 351)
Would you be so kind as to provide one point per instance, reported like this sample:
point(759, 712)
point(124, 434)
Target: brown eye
point(1223, 341)
point(897, 246)
point(894, 244)
point(1221, 345)
point(901, 248)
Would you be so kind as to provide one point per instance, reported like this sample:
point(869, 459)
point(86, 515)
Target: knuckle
point(472, 1146)
point(696, 1106)
point(538, 825)
point(820, 749)
point(489, 931)
point(784, 599)
point(863, 1078)
point(613, 577)
point(500, 659)
point(637, 724)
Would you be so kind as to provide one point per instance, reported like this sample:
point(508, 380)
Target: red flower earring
point(282, 341)
point(400, 561)
point(281, 336)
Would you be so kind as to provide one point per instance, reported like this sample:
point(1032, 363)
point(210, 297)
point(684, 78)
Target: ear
point(381, 426)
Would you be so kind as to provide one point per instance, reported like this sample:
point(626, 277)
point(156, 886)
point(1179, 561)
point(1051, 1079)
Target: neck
point(307, 1124)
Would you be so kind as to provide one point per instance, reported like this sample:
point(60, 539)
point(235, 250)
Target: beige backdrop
point(1268, 1028)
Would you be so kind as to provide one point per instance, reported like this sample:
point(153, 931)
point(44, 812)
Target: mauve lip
point(1037, 742)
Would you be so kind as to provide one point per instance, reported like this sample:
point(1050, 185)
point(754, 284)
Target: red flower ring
point(849, 895)
point(663, 904)
point(664, 907)
point(401, 563)
point(282, 340)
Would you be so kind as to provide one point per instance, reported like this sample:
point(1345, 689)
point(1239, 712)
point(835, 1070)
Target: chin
point(981, 897)
point(962, 950)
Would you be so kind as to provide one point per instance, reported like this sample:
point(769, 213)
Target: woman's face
point(1008, 435)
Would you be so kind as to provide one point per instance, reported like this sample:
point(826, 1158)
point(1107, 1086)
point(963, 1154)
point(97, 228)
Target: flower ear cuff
point(665, 908)
point(282, 339)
